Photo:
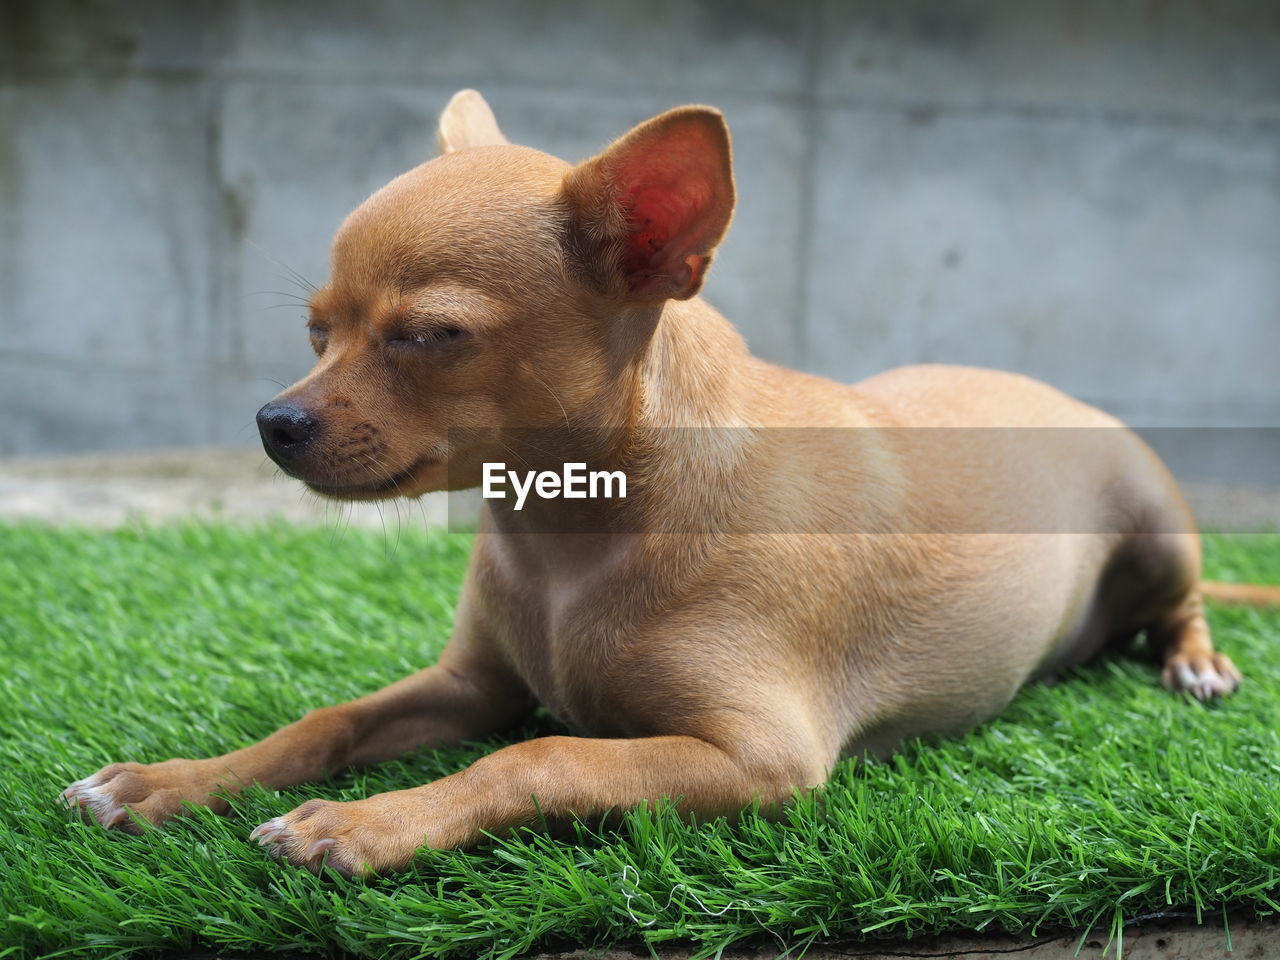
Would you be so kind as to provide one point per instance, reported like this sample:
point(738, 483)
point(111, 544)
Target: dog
point(801, 570)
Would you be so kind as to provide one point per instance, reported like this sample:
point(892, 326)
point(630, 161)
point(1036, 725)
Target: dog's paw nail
point(1202, 679)
point(80, 798)
point(269, 831)
point(113, 817)
point(320, 846)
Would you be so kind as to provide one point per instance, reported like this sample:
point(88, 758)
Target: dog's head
point(495, 287)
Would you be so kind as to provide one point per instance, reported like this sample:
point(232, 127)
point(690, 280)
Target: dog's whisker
point(519, 437)
point(383, 472)
point(341, 521)
point(383, 517)
point(299, 279)
point(399, 524)
point(294, 275)
point(554, 396)
point(279, 293)
point(380, 473)
point(511, 450)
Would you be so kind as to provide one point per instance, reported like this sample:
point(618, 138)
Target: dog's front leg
point(453, 701)
point(552, 777)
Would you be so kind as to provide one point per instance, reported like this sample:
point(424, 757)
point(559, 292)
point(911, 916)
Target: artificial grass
point(1086, 803)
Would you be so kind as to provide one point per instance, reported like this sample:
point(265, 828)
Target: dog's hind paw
point(1204, 677)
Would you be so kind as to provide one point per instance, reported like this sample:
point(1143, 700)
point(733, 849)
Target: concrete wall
point(1084, 190)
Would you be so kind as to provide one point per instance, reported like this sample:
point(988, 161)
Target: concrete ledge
point(233, 484)
point(1176, 937)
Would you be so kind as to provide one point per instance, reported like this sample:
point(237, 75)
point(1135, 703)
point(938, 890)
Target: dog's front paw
point(149, 791)
point(1204, 677)
point(379, 834)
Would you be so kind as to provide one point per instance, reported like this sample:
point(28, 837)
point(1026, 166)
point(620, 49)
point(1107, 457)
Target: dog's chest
point(563, 632)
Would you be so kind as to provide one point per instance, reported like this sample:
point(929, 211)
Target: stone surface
point(113, 223)
point(1170, 59)
point(683, 49)
point(87, 407)
point(121, 34)
point(1133, 266)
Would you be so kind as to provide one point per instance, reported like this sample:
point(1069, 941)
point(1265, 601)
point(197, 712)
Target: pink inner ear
point(667, 189)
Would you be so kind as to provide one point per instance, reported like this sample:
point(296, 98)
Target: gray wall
point(1085, 191)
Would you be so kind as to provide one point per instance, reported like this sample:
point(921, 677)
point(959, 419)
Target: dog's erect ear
point(647, 213)
point(467, 121)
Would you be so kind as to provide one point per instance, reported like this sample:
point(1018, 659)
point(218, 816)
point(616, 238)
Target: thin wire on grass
point(635, 891)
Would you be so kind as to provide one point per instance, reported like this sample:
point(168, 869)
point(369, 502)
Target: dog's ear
point(647, 214)
point(467, 121)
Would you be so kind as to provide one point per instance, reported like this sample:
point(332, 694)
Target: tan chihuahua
point(763, 600)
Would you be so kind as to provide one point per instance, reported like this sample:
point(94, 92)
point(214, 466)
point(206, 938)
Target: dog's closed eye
point(319, 337)
point(426, 339)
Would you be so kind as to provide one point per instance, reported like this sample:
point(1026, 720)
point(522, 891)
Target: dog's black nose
point(286, 430)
